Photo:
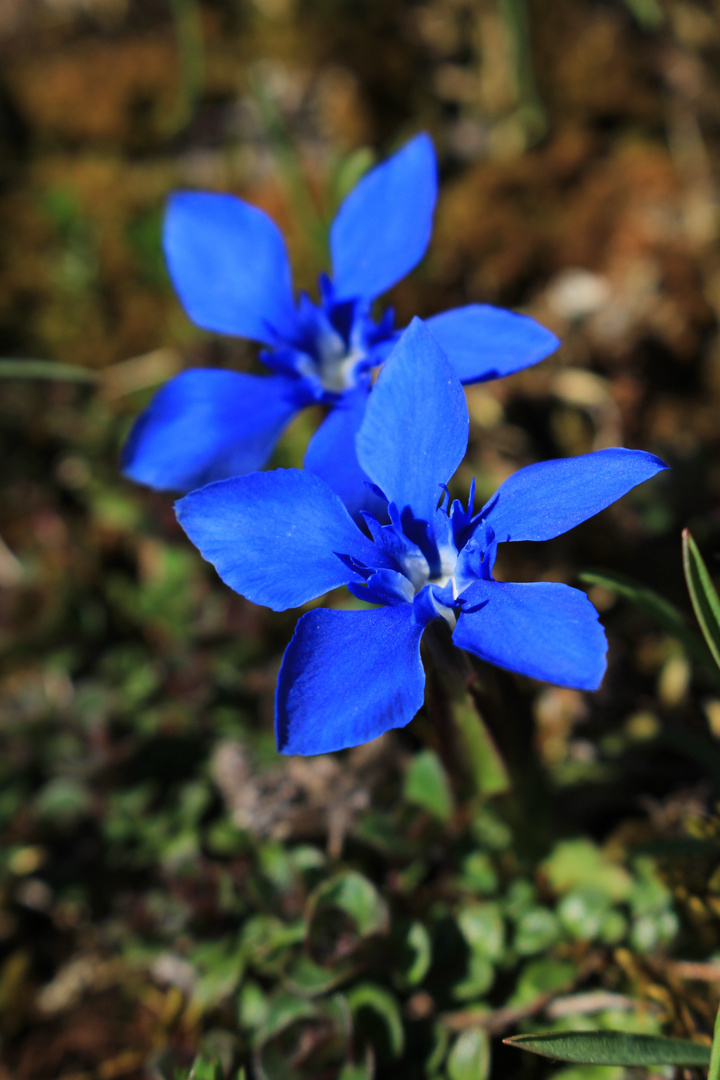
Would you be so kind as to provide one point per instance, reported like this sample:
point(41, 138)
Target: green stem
point(191, 56)
point(531, 110)
point(313, 227)
point(714, 1067)
point(46, 369)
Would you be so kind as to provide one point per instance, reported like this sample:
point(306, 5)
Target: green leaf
point(419, 946)
point(542, 977)
point(705, 600)
point(714, 1068)
point(654, 605)
point(349, 170)
point(284, 1011)
point(648, 13)
point(537, 930)
point(580, 863)
point(267, 941)
point(478, 874)
point(205, 1069)
point(483, 928)
point(426, 785)
point(357, 897)
point(481, 755)
point(351, 1071)
point(253, 1006)
point(308, 979)
point(584, 912)
point(375, 998)
point(469, 1058)
point(479, 978)
point(614, 1048)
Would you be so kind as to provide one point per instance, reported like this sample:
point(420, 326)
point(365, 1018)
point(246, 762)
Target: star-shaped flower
point(229, 265)
point(283, 538)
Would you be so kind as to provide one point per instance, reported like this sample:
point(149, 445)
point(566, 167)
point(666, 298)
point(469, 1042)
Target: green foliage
point(615, 1048)
point(580, 863)
point(385, 1007)
point(426, 785)
point(704, 597)
point(169, 888)
point(469, 1058)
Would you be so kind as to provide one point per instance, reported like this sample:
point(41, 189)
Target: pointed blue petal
point(347, 677)
point(415, 430)
point(386, 587)
point(383, 227)
point(484, 342)
point(275, 537)
point(331, 455)
point(228, 263)
point(546, 499)
point(207, 425)
point(542, 629)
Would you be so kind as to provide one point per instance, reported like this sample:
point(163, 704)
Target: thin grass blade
point(704, 597)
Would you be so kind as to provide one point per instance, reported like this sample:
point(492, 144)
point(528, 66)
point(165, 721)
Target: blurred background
point(168, 885)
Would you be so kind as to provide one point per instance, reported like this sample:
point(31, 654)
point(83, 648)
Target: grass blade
point(714, 1069)
point(46, 369)
point(705, 600)
point(657, 607)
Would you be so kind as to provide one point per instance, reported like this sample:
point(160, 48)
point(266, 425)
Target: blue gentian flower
point(283, 538)
point(229, 265)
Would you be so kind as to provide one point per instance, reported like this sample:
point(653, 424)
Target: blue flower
point(229, 265)
point(283, 538)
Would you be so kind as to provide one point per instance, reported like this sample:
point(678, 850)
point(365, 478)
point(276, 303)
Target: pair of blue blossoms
point(371, 509)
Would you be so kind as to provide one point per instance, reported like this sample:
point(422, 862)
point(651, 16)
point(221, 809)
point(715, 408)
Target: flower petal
point(207, 425)
point(550, 497)
point(228, 263)
point(275, 537)
point(542, 629)
point(347, 677)
point(415, 430)
point(331, 455)
point(484, 342)
point(383, 227)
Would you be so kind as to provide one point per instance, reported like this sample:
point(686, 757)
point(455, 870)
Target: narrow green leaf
point(654, 605)
point(614, 1048)
point(714, 1069)
point(705, 600)
point(46, 369)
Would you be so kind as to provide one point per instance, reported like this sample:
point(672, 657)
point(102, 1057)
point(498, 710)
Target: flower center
point(428, 564)
point(335, 362)
point(336, 343)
